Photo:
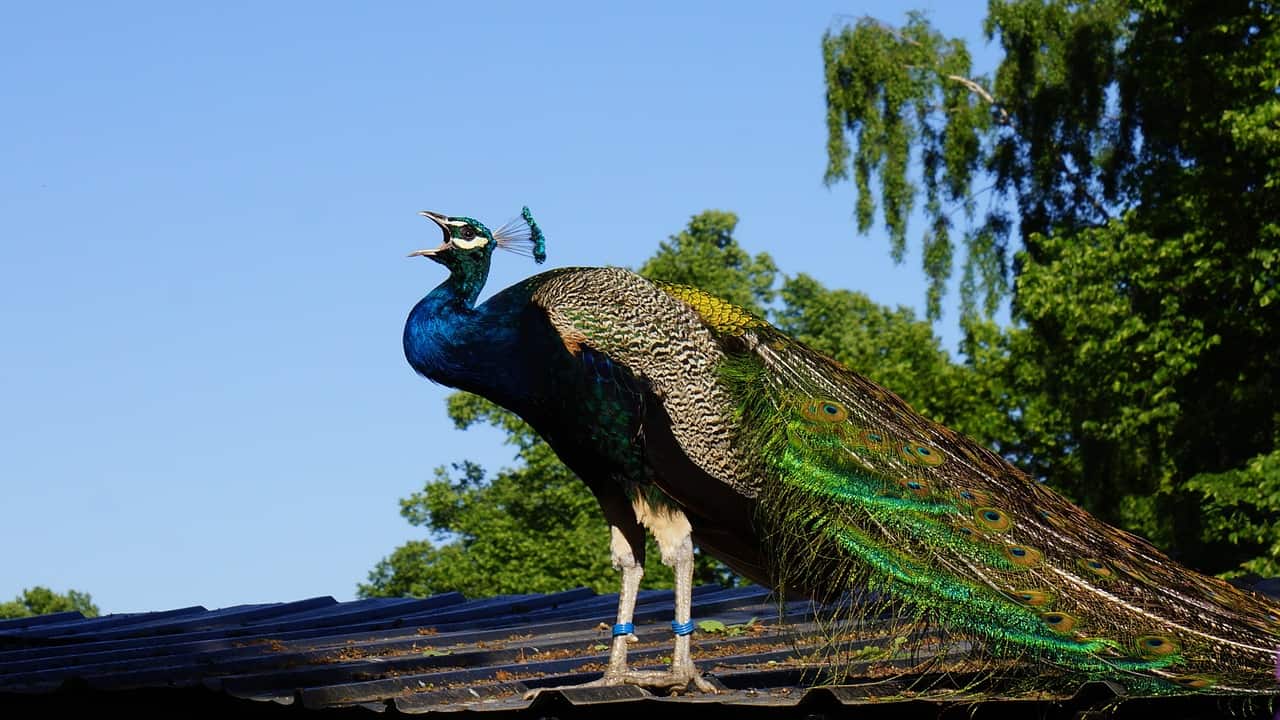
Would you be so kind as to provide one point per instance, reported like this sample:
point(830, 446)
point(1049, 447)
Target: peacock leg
point(675, 540)
point(671, 529)
point(628, 556)
point(626, 545)
point(676, 543)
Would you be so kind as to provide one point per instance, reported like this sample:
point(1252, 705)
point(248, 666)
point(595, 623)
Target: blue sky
point(204, 216)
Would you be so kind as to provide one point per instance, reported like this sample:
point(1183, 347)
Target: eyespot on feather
point(1034, 598)
point(973, 497)
point(992, 519)
point(964, 526)
point(1095, 567)
point(1197, 682)
point(918, 488)
point(871, 440)
point(929, 456)
point(1156, 646)
point(1023, 556)
point(1059, 621)
point(825, 411)
point(919, 454)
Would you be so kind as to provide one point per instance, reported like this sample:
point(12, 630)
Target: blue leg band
point(623, 629)
point(682, 628)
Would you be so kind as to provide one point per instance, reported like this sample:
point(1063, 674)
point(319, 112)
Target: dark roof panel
point(445, 653)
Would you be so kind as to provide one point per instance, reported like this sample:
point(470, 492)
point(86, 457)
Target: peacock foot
point(668, 680)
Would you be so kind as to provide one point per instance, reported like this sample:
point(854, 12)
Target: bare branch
point(976, 89)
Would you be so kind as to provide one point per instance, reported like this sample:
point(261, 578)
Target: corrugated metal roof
point(446, 653)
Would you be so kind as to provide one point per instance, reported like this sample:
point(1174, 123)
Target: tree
point(1133, 152)
point(706, 256)
point(41, 600)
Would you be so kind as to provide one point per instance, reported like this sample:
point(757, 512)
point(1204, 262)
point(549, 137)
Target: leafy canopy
point(1119, 181)
point(40, 600)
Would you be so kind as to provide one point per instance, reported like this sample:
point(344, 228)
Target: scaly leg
point(628, 556)
point(675, 539)
point(681, 662)
point(626, 545)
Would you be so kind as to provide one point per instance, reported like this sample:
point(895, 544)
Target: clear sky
point(204, 215)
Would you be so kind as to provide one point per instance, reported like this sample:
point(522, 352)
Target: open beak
point(438, 219)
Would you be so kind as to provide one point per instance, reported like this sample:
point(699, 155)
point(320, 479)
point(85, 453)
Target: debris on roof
point(446, 653)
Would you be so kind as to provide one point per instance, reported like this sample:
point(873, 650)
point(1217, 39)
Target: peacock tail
point(862, 489)
point(855, 494)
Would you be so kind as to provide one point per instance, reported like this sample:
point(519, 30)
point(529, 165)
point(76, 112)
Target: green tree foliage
point(890, 92)
point(1135, 149)
point(706, 256)
point(1241, 506)
point(41, 600)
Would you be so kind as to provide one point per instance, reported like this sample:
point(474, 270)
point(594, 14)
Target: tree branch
point(1002, 117)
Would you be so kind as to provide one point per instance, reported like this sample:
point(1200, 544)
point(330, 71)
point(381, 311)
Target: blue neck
point(464, 284)
point(452, 342)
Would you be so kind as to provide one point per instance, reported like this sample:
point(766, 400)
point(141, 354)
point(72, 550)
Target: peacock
point(699, 422)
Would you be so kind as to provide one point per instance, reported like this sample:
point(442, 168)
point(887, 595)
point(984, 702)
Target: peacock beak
point(438, 219)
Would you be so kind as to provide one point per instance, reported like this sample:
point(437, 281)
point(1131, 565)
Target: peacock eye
point(467, 232)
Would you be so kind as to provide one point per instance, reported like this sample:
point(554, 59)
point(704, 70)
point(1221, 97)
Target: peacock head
point(468, 245)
